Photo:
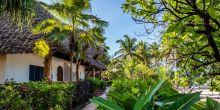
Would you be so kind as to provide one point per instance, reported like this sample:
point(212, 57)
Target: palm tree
point(143, 53)
point(74, 12)
point(91, 38)
point(155, 53)
point(127, 47)
point(56, 32)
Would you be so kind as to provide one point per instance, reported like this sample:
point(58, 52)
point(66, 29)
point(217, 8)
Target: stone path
point(92, 106)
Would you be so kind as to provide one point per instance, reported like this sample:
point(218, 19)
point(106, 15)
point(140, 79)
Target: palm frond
point(20, 11)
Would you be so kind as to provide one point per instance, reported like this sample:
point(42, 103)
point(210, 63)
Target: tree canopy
point(190, 32)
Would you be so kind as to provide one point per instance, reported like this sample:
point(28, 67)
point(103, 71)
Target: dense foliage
point(136, 87)
point(41, 95)
point(154, 99)
point(190, 34)
point(21, 11)
point(97, 84)
point(36, 95)
point(74, 23)
point(41, 48)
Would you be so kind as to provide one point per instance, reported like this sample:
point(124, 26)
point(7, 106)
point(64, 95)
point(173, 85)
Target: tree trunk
point(47, 66)
point(77, 70)
point(71, 66)
point(100, 74)
point(72, 47)
point(93, 72)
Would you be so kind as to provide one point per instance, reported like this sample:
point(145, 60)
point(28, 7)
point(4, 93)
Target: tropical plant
point(92, 38)
point(143, 52)
point(127, 47)
point(56, 33)
point(19, 11)
point(74, 12)
point(153, 101)
point(189, 29)
point(135, 86)
point(132, 69)
point(154, 50)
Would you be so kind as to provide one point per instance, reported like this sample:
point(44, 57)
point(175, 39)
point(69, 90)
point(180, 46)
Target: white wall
point(66, 69)
point(17, 67)
point(2, 68)
point(82, 72)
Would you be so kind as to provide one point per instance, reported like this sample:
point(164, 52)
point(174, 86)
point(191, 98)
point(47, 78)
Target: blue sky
point(119, 22)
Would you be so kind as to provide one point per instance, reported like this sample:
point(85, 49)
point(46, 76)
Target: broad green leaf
point(185, 102)
point(143, 100)
point(212, 104)
point(126, 100)
point(199, 106)
point(172, 99)
point(105, 103)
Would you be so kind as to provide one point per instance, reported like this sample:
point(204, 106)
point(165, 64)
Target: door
point(59, 73)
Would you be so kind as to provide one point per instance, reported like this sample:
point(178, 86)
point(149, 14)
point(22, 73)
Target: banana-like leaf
point(185, 102)
point(143, 100)
point(212, 104)
point(200, 105)
point(105, 103)
point(126, 100)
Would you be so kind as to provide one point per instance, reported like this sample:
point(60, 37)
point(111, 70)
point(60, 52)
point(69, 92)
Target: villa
point(18, 61)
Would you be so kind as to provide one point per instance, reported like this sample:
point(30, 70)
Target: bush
point(43, 96)
point(97, 84)
point(83, 92)
point(85, 89)
point(138, 87)
point(36, 95)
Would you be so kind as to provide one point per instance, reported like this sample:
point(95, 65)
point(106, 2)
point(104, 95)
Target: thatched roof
point(91, 53)
point(14, 40)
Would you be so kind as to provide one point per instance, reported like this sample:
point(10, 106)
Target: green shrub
point(36, 95)
point(97, 84)
point(139, 86)
point(10, 98)
point(83, 92)
point(136, 86)
point(43, 96)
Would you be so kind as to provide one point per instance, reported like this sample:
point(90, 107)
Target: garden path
point(92, 106)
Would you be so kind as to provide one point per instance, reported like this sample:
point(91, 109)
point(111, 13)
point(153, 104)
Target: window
point(36, 73)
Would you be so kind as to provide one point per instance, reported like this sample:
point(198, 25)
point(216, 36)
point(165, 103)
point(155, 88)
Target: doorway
point(59, 73)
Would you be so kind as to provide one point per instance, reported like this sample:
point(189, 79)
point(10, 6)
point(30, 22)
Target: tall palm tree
point(56, 32)
point(91, 38)
point(143, 53)
point(127, 47)
point(74, 12)
point(155, 53)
